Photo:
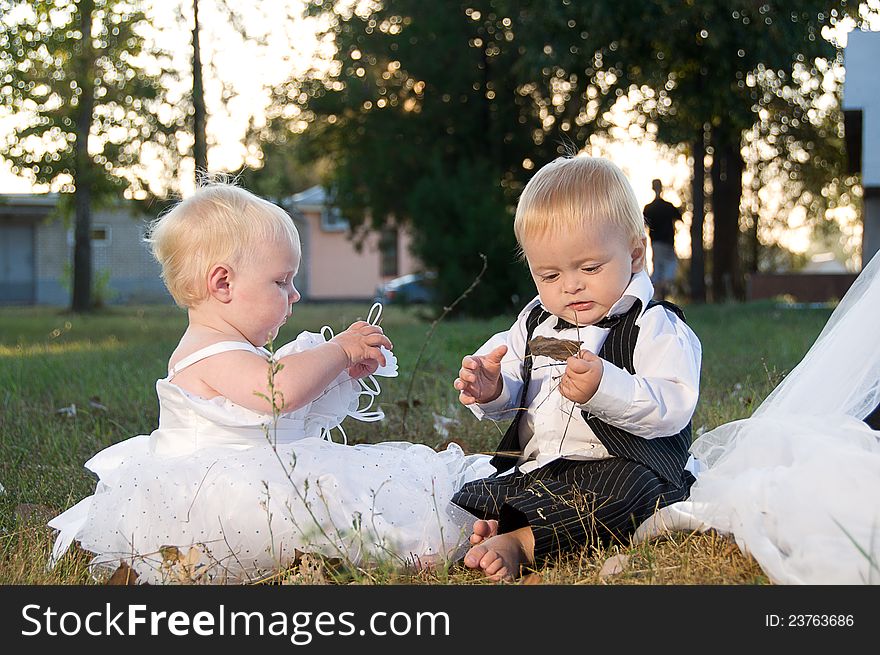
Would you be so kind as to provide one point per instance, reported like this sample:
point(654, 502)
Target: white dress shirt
point(657, 401)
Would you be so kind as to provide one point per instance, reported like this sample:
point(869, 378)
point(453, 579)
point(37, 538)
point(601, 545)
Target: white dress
point(221, 494)
point(798, 483)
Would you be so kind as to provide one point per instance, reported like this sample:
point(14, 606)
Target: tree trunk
point(698, 255)
point(754, 244)
point(82, 248)
point(200, 138)
point(727, 170)
point(754, 240)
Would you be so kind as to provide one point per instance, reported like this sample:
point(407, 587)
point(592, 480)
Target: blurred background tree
point(717, 72)
point(433, 116)
point(76, 69)
point(449, 95)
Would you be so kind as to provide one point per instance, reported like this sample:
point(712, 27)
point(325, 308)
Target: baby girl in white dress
point(240, 473)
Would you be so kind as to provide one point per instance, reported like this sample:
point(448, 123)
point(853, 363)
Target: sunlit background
point(246, 53)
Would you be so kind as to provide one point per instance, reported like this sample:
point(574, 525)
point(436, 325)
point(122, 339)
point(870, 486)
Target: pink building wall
point(337, 270)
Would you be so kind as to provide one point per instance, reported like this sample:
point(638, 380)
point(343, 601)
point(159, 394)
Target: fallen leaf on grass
point(124, 575)
point(442, 423)
point(614, 565)
point(69, 411)
point(532, 578)
point(95, 403)
point(309, 571)
point(34, 513)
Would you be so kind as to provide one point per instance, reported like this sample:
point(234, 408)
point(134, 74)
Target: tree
point(197, 96)
point(710, 66)
point(502, 87)
point(794, 156)
point(435, 103)
point(73, 67)
point(200, 113)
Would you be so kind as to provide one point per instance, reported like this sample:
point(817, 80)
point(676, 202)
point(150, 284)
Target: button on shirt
point(659, 400)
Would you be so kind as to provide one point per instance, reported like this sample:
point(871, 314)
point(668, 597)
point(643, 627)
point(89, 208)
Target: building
point(861, 110)
point(36, 253)
point(334, 266)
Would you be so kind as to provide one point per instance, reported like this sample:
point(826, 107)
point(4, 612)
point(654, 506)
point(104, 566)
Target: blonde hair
point(574, 193)
point(219, 223)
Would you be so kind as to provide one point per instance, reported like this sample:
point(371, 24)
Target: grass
point(106, 365)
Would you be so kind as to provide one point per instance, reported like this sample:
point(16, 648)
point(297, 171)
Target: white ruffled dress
point(797, 485)
point(221, 494)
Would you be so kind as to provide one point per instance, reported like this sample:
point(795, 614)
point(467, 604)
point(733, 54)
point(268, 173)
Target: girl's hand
point(360, 343)
point(363, 369)
point(479, 379)
point(582, 377)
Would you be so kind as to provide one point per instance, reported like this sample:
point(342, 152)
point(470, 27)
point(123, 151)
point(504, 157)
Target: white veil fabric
point(798, 484)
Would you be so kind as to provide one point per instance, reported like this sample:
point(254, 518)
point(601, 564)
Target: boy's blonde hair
point(574, 193)
point(219, 223)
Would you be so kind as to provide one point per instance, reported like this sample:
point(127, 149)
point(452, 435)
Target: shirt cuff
point(615, 394)
point(494, 408)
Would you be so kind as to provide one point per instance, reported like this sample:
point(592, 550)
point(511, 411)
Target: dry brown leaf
point(558, 349)
point(34, 513)
point(170, 554)
point(310, 571)
point(532, 578)
point(124, 575)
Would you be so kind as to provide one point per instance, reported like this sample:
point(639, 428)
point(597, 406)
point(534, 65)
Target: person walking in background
point(660, 217)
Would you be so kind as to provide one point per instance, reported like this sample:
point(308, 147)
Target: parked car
point(414, 288)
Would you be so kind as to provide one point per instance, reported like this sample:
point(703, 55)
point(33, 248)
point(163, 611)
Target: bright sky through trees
point(238, 74)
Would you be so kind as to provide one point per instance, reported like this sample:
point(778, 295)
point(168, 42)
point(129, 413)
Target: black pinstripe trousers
point(573, 503)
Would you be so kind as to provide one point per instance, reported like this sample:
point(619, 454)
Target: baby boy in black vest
point(599, 381)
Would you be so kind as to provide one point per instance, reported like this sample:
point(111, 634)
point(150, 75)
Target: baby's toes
point(474, 556)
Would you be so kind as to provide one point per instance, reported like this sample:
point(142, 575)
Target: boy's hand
point(361, 342)
point(479, 379)
point(582, 377)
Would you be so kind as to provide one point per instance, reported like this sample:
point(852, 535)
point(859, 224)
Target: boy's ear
point(638, 255)
point(220, 282)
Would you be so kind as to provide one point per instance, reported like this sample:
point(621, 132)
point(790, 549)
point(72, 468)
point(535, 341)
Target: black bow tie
point(607, 322)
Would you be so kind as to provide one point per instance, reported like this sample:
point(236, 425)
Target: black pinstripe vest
point(666, 456)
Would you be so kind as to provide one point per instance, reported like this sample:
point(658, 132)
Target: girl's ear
point(638, 255)
point(220, 282)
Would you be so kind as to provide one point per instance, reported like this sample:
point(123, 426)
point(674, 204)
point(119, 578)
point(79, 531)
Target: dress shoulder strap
point(210, 351)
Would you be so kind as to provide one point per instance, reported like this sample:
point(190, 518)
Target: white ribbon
point(367, 389)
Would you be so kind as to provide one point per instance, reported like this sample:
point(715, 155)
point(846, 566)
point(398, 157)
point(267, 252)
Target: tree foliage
point(726, 69)
point(76, 70)
point(433, 103)
point(461, 93)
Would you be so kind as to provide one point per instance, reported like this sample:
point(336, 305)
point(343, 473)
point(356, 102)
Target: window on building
point(332, 220)
point(100, 235)
point(388, 249)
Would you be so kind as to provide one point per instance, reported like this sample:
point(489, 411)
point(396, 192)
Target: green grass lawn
point(106, 366)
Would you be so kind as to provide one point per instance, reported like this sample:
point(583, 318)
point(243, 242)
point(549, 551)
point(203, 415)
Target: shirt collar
point(639, 288)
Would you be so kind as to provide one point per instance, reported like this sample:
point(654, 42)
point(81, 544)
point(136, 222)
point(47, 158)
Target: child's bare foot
point(501, 556)
point(483, 530)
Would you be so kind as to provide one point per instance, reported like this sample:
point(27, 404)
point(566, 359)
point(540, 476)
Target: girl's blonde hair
point(219, 223)
point(574, 193)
